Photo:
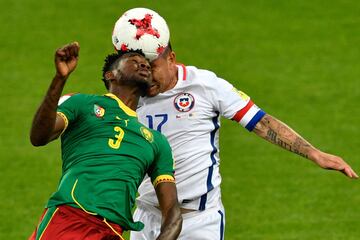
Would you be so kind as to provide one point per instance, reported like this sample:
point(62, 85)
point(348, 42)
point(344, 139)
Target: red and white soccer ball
point(141, 28)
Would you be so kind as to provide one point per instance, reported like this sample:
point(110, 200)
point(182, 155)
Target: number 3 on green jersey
point(115, 144)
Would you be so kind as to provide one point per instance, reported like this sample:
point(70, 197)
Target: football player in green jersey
point(106, 153)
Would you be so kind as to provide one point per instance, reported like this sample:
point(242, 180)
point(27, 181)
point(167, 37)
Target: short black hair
point(113, 58)
point(169, 46)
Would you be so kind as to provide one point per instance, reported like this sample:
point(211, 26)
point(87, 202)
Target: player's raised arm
point(171, 215)
point(46, 124)
point(280, 134)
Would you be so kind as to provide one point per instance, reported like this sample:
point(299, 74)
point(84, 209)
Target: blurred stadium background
point(298, 60)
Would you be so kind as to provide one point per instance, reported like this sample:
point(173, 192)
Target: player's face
point(134, 69)
point(162, 74)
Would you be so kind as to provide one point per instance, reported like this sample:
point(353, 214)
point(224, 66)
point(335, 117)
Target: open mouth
point(153, 86)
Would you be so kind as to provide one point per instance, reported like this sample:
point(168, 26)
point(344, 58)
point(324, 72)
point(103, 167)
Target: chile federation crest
point(184, 102)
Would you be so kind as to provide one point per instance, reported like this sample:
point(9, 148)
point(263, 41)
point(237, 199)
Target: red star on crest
point(144, 27)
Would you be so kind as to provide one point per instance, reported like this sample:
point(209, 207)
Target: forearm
point(278, 133)
point(45, 117)
point(171, 225)
point(170, 210)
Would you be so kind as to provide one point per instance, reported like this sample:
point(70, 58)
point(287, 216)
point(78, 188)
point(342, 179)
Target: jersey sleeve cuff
point(66, 121)
point(249, 116)
point(258, 116)
point(163, 178)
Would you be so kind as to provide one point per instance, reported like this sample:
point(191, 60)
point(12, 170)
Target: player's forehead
point(127, 59)
point(132, 56)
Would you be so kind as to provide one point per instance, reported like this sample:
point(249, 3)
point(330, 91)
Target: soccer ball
point(141, 28)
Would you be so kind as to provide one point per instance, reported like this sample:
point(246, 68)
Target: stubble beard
point(136, 81)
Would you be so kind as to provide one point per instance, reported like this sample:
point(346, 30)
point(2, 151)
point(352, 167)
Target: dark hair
point(110, 61)
point(169, 46)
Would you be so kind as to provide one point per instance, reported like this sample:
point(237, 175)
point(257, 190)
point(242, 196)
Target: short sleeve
point(68, 107)
point(162, 169)
point(235, 104)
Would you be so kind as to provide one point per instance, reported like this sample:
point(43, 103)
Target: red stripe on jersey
point(240, 114)
point(184, 71)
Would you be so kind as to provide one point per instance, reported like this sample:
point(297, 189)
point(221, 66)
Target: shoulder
point(194, 73)
point(157, 136)
point(75, 98)
point(66, 97)
point(206, 78)
point(156, 139)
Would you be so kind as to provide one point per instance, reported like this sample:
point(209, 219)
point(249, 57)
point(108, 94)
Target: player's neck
point(128, 95)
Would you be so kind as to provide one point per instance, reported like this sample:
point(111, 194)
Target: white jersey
point(189, 116)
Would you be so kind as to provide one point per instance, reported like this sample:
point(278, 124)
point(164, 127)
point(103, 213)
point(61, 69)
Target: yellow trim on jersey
point(63, 116)
point(77, 203)
point(113, 229)
point(91, 213)
point(163, 178)
point(122, 105)
point(48, 223)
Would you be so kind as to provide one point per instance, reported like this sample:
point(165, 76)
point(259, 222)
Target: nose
point(145, 65)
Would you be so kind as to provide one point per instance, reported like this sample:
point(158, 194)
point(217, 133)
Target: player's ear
point(171, 57)
point(109, 75)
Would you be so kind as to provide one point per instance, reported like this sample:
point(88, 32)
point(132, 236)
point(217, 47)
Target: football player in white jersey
point(185, 105)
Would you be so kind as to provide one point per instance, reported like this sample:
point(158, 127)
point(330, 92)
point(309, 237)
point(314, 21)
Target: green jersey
point(106, 153)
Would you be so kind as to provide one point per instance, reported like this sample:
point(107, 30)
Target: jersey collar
point(181, 71)
point(122, 105)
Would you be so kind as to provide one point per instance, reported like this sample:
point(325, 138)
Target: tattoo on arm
point(280, 134)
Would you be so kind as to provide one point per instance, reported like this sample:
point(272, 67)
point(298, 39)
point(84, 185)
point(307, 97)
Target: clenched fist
point(66, 59)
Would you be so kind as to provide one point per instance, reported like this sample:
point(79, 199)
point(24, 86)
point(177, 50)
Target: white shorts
point(199, 225)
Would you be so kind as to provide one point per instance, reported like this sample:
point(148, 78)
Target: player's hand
point(66, 59)
point(332, 162)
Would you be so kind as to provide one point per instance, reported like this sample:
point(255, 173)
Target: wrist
point(314, 154)
point(60, 77)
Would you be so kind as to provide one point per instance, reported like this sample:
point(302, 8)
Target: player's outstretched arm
point(46, 124)
point(280, 134)
point(171, 215)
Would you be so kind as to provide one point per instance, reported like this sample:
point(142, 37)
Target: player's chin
point(143, 86)
point(144, 80)
point(152, 91)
